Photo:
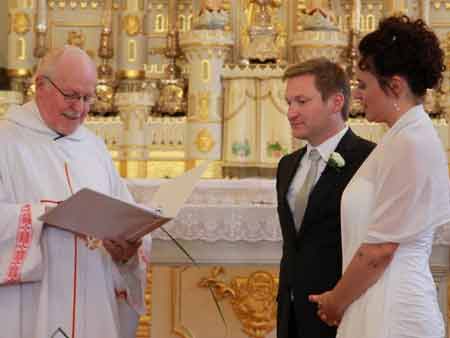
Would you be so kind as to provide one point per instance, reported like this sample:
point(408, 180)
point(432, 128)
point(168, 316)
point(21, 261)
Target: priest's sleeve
point(20, 234)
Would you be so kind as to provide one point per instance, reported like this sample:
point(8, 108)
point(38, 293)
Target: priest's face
point(311, 118)
point(64, 98)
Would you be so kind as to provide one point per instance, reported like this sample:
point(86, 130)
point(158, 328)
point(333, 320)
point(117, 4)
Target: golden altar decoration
point(253, 299)
point(231, 229)
point(232, 54)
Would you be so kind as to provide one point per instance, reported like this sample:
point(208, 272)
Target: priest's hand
point(121, 250)
point(328, 308)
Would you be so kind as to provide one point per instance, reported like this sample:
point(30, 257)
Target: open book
point(90, 213)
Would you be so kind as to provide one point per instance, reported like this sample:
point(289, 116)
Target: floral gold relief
point(252, 298)
point(21, 23)
point(204, 141)
point(131, 25)
point(77, 39)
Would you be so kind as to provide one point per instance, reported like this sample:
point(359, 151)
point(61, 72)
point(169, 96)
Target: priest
point(52, 280)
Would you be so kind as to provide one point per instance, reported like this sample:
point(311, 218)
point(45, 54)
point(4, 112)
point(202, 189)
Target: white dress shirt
point(325, 150)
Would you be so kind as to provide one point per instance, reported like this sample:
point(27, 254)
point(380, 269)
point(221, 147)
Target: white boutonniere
point(336, 161)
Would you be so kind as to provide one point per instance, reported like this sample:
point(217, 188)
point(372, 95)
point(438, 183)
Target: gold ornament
point(76, 39)
point(131, 24)
point(204, 141)
point(252, 298)
point(21, 23)
point(204, 106)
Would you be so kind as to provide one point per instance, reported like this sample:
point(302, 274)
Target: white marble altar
point(236, 222)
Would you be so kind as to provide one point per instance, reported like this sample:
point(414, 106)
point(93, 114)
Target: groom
point(310, 182)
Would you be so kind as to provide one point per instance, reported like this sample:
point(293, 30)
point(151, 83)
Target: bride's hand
point(328, 308)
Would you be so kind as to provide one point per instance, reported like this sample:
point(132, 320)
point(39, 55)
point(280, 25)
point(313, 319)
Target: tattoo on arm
point(372, 262)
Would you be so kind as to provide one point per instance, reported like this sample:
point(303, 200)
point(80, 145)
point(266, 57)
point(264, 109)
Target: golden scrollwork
point(204, 141)
point(144, 328)
point(131, 24)
point(253, 299)
point(21, 23)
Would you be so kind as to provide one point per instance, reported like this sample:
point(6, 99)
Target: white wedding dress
point(400, 194)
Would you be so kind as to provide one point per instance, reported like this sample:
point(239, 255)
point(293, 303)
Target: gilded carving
point(21, 23)
point(75, 38)
point(143, 330)
point(204, 141)
point(253, 299)
point(212, 15)
point(203, 104)
point(159, 23)
point(260, 39)
point(205, 70)
point(131, 24)
point(171, 99)
point(21, 49)
point(132, 51)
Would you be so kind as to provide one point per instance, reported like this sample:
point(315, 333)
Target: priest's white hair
point(47, 65)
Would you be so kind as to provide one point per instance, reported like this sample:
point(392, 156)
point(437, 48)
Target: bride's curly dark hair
point(401, 46)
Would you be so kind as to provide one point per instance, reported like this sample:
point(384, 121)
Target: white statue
point(212, 15)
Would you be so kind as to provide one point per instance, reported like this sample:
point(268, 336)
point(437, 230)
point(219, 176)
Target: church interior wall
point(240, 125)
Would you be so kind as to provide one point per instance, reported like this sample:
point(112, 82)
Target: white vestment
point(46, 281)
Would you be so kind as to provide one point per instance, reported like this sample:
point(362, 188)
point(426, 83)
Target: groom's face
point(308, 113)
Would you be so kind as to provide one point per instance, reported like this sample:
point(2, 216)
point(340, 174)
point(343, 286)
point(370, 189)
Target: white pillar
point(20, 39)
point(206, 51)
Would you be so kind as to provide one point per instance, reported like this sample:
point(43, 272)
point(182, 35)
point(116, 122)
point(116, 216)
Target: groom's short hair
point(329, 79)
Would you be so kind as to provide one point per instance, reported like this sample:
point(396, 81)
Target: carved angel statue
point(259, 12)
point(263, 38)
point(212, 15)
point(319, 15)
point(211, 6)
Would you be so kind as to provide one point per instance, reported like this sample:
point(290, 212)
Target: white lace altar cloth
point(229, 210)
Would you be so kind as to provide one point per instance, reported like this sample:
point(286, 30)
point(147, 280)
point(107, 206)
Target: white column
point(132, 46)
point(20, 39)
point(206, 51)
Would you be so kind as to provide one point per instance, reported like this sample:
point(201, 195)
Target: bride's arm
point(364, 270)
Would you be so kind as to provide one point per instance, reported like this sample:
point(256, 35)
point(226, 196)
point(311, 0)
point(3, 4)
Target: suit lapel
point(329, 177)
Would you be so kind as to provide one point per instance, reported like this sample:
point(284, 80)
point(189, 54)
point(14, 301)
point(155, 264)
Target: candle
point(356, 14)
point(41, 23)
point(107, 15)
point(425, 11)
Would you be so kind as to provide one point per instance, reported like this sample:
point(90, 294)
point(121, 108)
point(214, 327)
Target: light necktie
point(301, 200)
